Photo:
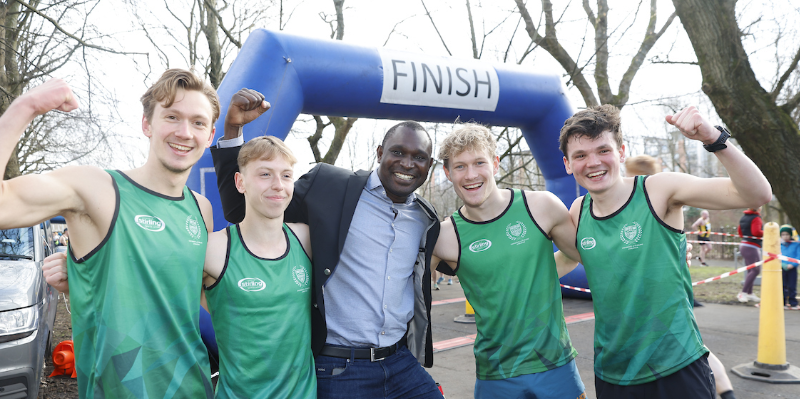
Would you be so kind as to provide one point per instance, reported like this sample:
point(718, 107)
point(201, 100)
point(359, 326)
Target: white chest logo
point(252, 284)
point(588, 243)
point(193, 227)
point(630, 233)
point(516, 230)
point(300, 276)
point(480, 245)
point(150, 223)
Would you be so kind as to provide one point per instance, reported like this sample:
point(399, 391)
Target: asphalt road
point(731, 332)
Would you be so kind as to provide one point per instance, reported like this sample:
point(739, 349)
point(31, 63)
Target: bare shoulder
point(543, 200)
point(575, 209)
point(447, 244)
point(303, 235)
point(216, 251)
point(205, 209)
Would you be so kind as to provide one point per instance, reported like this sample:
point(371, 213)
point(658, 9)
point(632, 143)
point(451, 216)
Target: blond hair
point(467, 137)
point(641, 165)
point(166, 88)
point(265, 148)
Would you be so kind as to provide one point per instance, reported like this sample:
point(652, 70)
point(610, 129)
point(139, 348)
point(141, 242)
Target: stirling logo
point(588, 243)
point(252, 284)
point(516, 230)
point(193, 227)
point(150, 223)
point(300, 276)
point(630, 233)
point(480, 245)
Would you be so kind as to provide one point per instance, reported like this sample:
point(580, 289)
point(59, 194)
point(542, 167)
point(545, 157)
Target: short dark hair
point(407, 124)
point(591, 123)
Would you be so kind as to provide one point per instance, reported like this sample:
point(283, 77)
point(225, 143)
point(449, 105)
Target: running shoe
point(753, 297)
point(742, 297)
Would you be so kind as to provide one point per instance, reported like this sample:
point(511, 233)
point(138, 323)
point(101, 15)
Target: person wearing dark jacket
point(372, 239)
point(751, 231)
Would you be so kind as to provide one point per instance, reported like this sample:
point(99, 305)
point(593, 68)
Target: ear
point(239, 180)
point(446, 172)
point(496, 164)
point(379, 151)
point(211, 136)
point(566, 166)
point(622, 154)
point(146, 127)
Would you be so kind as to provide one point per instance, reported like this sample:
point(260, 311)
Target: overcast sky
point(403, 25)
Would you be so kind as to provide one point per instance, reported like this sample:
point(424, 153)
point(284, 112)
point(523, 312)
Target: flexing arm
point(54, 270)
point(746, 187)
point(246, 105)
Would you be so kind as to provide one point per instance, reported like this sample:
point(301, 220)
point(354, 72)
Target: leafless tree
point(40, 39)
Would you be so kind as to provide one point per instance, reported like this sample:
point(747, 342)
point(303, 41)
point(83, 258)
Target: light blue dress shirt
point(369, 298)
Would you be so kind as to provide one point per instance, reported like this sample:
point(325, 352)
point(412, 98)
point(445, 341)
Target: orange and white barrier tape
point(739, 270)
point(721, 276)
point(786, 258)
point(724, 234)
point(713, 242)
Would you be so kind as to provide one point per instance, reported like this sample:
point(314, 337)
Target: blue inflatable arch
point(326, 77)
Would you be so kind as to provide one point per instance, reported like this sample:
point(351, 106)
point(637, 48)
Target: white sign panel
point(418, 79)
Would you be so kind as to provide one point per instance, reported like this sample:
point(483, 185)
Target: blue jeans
point(560, 383)
point(398, 376)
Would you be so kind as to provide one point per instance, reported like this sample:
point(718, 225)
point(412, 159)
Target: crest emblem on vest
point(516, 230)
point(193, 227)
point(150, 223)
point(588, 243)
point(631, 233)
point(480, 245)
point(300, 276)
point(252, 284)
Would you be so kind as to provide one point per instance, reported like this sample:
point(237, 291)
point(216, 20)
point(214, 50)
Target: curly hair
point(592, 122)
point(467, 137)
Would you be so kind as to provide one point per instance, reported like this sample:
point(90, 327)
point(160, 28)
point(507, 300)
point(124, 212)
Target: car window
point(16, 243)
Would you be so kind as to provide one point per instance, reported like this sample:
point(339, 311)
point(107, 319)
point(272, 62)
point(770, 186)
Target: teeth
point(402, 176)
point(471, 186)
point(595, 174)
point(180, 147)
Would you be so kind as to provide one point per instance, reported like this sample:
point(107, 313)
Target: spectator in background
point(64, 238)
point(790, 248)
point(750, 229)
point(704, 226)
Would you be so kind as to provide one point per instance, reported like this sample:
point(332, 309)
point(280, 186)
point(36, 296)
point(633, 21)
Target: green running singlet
point(135, 300)
point(261, 311)
point(508, 272)
point(641, 290)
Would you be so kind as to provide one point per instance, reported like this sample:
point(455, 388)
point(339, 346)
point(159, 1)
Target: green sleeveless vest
point(641, 290)
point(261, 312)
point(136, 297)
point(509, 276)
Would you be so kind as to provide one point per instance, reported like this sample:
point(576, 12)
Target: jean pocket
point(330, 370)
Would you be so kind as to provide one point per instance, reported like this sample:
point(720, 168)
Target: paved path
point(731, 332)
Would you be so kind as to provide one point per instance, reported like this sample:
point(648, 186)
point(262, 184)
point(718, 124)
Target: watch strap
point(719, 144)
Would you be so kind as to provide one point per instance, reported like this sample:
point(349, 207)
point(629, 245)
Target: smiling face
point(267, 186)
point(472, 174)
point(594, 163)
point(403, 162)
point(181, 132)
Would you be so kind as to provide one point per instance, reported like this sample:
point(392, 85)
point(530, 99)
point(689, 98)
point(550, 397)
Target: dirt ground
point(61, 387)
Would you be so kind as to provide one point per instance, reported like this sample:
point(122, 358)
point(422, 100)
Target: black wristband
point(720, 143)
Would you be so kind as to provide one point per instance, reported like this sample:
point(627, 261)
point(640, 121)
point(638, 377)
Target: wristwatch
point(720, 143)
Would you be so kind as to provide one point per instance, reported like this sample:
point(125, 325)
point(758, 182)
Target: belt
point(373, 354)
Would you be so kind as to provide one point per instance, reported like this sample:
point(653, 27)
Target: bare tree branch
point(471, 31)
point(782, 81)
point(790, 105)
point(70, 35)
point(212, 8)
point(434, 27)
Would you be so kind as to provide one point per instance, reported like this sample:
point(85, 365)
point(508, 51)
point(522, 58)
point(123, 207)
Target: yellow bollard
point(468, 317)
point(770, 365)
point(469, 309)
point(771, 324)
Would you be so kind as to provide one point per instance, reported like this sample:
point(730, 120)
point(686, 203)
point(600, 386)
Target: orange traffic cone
point(64, 360)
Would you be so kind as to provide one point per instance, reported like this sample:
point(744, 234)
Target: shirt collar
point(374, 185)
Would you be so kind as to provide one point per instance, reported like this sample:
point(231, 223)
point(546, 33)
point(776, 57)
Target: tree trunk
point(766, 132)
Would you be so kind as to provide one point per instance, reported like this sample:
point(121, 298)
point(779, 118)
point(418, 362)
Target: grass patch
point(719, 291)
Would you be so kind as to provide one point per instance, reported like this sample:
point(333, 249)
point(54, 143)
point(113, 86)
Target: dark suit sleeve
point(297, 211)
point(226, 167)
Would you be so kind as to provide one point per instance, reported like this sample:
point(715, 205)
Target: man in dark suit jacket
point(366, 227)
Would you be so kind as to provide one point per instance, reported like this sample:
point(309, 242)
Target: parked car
point(27, 309)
